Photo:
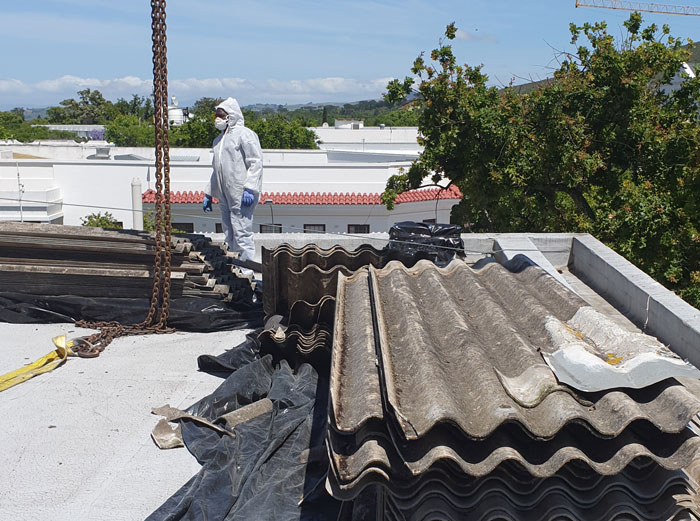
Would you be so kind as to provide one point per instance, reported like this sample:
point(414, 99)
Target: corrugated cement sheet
point(461, 346)
point(310, 273)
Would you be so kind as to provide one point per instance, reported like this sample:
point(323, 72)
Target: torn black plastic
point(193, 314)
point(275, 466)
point(441, 241)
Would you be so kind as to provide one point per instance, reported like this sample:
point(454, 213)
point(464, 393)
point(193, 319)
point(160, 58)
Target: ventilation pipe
point(136, 204)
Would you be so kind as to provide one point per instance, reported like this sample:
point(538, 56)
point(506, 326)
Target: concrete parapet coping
point(555, 247)
point(653, 308)
point(506, 247)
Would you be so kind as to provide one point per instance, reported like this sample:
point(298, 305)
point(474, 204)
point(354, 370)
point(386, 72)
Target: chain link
point(159, 309)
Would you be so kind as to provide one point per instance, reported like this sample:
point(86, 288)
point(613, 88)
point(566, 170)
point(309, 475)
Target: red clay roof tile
point(317, 198)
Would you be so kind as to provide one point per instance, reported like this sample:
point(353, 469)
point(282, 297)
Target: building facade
point(336, 189)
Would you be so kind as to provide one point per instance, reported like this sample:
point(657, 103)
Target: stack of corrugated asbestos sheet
point(307, 332)
point(43, 259)
point(299, 296)
point(442, 402)
point(311, 273)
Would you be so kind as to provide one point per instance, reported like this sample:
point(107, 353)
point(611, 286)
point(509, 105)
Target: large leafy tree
point(606, 147)
point(205, 107)
point(278, 132)
point(198, 132)
point(90, 109)
point(128, 131)
point(13, 126)
point(139, 106)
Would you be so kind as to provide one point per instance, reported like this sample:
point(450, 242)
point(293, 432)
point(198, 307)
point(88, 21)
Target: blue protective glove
point(206, 205)
point(248, 197)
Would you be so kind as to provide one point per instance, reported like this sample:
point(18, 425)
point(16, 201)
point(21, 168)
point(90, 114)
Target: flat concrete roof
point(76, 441)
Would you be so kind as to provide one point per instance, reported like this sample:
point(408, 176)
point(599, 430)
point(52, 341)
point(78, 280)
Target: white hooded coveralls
point(237, 165)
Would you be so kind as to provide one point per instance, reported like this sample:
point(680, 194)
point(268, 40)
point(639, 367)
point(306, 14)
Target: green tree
point(57, 116)
point(97, 220)
point(13, 126)
point(402, 117)
point(10, 120)
point(139, 106)
point(274, 132)
point(205, 107)
point(90, 109)
point(198, 132)
point(278, 132)
point(128, 131)
point(605, 147)
point(149, 223)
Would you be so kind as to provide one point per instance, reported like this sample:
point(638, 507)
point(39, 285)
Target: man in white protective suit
point(237, 177)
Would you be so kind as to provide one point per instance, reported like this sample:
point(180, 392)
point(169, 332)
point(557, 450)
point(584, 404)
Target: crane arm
point(645, 7)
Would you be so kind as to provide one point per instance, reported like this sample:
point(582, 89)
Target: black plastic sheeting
point(275, 466)
point(193, 314)
point(441, 241)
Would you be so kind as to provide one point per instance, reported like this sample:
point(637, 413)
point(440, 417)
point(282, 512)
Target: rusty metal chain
point(159, 309)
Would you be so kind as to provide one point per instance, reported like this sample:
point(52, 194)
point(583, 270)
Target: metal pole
point(20, 189)
point(272, 213)
point(136, 204)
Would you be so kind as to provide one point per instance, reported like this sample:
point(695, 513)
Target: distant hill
point(30, 114)
point(262, 107)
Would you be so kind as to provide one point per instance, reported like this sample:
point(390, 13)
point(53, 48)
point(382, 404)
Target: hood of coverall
point(233, 109)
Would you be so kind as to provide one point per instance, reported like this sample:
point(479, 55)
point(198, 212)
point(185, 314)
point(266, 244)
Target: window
point(358, 228)
point(270, 228)
point(219, 228)
point(184, 227)
point(314, 228)
point(429, 221)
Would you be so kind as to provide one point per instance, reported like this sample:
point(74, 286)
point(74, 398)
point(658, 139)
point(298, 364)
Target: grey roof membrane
point(473, 339)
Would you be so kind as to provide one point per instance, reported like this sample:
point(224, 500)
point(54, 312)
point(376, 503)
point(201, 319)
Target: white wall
point(335, 217)
point(368, 138)
point(107, 184)
point(41, 200)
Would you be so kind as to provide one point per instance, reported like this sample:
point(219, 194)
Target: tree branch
point(578, 198)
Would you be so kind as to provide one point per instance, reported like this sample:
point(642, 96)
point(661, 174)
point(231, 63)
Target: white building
point(81, 131)
point(369, 139)
point(319, 190)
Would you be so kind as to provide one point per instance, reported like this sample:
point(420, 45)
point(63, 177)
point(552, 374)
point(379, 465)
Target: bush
point(97, 220)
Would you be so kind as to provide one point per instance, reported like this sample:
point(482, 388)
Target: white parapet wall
point(78, 179)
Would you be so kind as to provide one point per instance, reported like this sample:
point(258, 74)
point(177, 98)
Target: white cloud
point(473, 37)
point(15, 92)
point(11, 86)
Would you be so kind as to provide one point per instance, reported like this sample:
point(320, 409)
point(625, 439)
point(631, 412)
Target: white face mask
point(220, 124)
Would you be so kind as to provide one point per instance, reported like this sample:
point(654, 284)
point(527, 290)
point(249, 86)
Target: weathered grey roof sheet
point(539, 458)
point(472, 338)
point(642, 479)
point(306, 314)
point(614, 505)
point(439, 372)
point(310, 273)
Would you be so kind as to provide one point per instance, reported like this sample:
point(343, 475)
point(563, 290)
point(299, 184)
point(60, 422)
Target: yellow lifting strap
point(43, 365)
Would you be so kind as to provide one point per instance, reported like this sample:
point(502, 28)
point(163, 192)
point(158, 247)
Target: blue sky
point(274, 51)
